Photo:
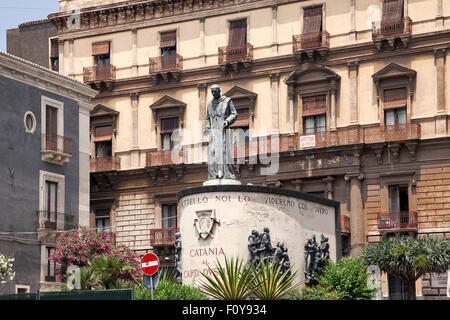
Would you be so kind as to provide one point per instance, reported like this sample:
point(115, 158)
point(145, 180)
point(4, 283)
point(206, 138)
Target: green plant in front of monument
point(408, 258)
point(271, 283)
point(233, 281)
point(316, 292)
point(347, 279)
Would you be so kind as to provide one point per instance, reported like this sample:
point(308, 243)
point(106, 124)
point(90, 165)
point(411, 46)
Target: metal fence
point(120, 294)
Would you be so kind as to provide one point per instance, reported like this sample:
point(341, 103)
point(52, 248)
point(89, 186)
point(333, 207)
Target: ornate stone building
point(355, 93)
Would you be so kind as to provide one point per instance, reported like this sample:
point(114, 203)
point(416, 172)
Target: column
point(329, 190)
point(274, 78)
point(134, 130)
point(441, 118)
point(202, 41)
point(357, 213)
point(274, 29)
point(440, 15)
point(352, 33)
point(202, 88)
point(71, 65)
point(61, 56)
point(134, 67)
point(291, 109)
point(333, 105)
point(353, 75)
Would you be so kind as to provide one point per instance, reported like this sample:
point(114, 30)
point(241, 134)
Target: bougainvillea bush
point(81, 247)
point(6, 268)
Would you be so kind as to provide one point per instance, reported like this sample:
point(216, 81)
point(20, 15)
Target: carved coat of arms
point(205, 221)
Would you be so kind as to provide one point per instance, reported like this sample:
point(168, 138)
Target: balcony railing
point(338, 137)
point(166, 63)
point(397, 220)
point(163, 237)
point(391, 27)
point(163, 157)
point(99, 73)
point(49, 220)
point(235, 53)
point(105, 164)
point(53, 142)
point(310, 40)
point(392, 133)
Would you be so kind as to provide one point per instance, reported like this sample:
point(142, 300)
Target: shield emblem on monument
point(205, 223)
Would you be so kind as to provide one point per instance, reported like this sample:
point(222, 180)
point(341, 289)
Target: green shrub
point(348, 277)
point(169, 290)
point(317, 292)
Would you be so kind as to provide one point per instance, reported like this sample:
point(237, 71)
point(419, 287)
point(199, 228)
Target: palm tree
point(409, 258)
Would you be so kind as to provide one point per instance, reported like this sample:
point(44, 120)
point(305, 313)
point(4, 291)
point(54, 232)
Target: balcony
point(166, 68)
point(163, 237)
point(99, 76)
point(50, 221)
point(392, 32)
point(105, 164)
point(163, 157)
point(404, 221)
point(401, 132)
point(339, 137)
point(231, 58)
point(311, 45)
point(56, 149)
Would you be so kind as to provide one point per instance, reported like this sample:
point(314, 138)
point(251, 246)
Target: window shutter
point(100, 48)
point(238, 33)
point(242, 119)
point(392, 9)
point(394, 98)
point(312, 20)
point(168, 39)
point(314, 105)
point(54, 52)
point(103, 133)
point(169, 125)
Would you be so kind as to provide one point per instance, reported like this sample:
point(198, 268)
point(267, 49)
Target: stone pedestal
point(217, 220)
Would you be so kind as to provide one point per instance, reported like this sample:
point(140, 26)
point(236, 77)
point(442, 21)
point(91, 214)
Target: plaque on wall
point(439, 280)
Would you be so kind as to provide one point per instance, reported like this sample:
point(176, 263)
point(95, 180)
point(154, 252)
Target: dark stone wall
point(20, 163)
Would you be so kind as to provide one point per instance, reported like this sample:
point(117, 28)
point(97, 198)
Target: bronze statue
point(220, 114)
point(178, 254)
point(315, 256)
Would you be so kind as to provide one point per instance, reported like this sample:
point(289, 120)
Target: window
point(103, 141)
point(51, 128)
point(238, 33)
point(168, 126)
point(398, 198)
point(54, 55)
point(312, 20)
point(395, 107)
point(398, 289)
point(50, 204)
point(29, 122)
point(392, 9)
point(101, 53)
point(102, 220)
point(169, 216)
point(314, 114)
point(168, 45)
point(22, 289)
point(240, 128)
point(50, 270)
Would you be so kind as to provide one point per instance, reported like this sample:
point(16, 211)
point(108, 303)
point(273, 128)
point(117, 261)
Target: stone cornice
point(24, 71)
point(129, 15)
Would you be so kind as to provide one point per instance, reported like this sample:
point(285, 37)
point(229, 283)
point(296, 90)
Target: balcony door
point(51, 128)
point(50, 204)
point(168, 47)
point(102, 59)
point(237, 41)
point(169, 216)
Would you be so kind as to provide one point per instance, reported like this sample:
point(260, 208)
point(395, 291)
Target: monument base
point(219, 182)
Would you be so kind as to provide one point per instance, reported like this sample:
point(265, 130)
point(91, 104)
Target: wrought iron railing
point(397, 220)
point(105, 164)
point(53, 142)
point(310, 40)
point(392, 133)
point(99, 73)
point(391, 27)
point(166, 63)
point(164, 236)
point(164, 157)
point(50, 220)
point(339, 137)
point(235, 53)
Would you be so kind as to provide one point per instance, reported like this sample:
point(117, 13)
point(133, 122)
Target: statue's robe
point(220, 162)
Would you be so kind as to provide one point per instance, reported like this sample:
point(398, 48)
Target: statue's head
point(255, 232)
point(215, 90)
point(266, 229)
point(177, 235)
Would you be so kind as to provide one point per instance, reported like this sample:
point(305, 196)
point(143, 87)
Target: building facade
point(344, 99)
point(45, 167)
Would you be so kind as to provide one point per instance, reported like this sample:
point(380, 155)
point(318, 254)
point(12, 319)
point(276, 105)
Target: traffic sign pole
point(150, 265)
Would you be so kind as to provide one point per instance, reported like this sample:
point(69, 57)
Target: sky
point(15, 12)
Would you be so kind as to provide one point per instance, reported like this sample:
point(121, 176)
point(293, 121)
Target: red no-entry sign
point(150, 264)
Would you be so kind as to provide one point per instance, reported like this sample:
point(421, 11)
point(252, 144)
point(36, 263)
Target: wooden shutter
point(394, 98)
point(242, 119)
point(314, 105)
point(238, 33)
point(392, 9)
point(168, 125)
point(168, 39)
point(312, 20)
point(100, 48)
point(54, 50)
point(103, 133)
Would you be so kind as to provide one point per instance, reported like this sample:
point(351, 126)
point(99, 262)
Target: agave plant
point(234, 281)
point(270, 283)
